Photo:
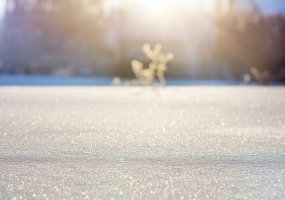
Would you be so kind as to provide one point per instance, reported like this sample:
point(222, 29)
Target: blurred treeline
point(78, 37)
point(249, 39)
point(54, 37)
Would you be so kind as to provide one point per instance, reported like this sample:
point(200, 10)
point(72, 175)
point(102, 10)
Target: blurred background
point(211, 39)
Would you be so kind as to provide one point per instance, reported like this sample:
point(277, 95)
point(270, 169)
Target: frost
point(155, 71)
point(157, 67)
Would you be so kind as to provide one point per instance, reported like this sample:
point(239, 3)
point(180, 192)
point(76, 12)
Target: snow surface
point(142, 143)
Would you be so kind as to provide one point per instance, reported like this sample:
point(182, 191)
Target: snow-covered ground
point(142, 143)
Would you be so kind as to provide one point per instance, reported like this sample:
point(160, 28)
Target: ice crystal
point(157, 67)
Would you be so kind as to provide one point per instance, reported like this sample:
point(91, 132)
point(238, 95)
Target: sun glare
point(157, 7)
point(163, 6)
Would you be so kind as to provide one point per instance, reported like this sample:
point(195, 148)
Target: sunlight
point(164, 12)
point(163, 8)
point(111, 4)
point(157, 7)
point(114, 3)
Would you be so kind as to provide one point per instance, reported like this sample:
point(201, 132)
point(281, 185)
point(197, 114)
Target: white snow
point(142, 143)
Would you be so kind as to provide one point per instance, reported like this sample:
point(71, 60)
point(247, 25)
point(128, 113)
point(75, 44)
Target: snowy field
point(142, 143)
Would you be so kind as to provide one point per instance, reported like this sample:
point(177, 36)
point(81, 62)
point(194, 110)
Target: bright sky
point(202, 5)
point(272, 5)
point(160, 5)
